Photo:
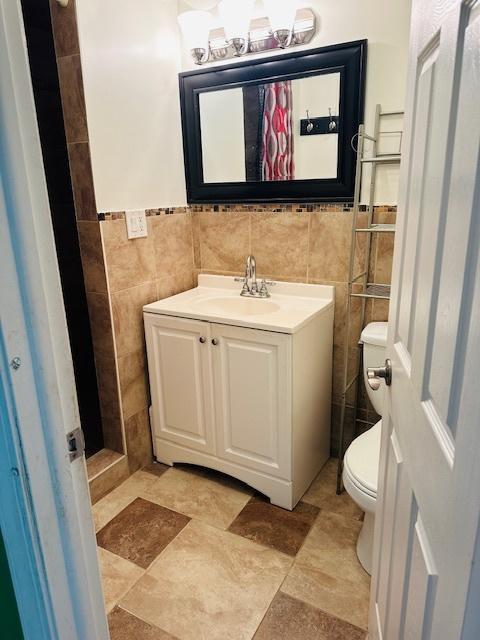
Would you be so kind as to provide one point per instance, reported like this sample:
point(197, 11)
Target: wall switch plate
point(136, 224)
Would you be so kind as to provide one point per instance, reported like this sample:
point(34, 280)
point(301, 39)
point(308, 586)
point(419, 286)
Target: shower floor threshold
point(106, 470)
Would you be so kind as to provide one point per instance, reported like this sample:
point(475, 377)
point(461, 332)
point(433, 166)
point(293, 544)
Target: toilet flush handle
point(375, 375)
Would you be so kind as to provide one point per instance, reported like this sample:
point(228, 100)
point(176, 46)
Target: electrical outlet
point(136, 224)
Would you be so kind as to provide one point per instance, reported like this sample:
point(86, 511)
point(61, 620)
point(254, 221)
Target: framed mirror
point(277, 129)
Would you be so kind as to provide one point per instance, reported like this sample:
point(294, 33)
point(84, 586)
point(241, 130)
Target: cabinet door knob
point(202, 339)
point(215, 342)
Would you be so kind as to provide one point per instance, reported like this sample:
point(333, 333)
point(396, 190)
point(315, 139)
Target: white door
point(427, 548)
point(45, 512)
point(253, 398)
point(180, 382)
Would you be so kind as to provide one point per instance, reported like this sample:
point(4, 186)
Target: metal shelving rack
point(368, 290)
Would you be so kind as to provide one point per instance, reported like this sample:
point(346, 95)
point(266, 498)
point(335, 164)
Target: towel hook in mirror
point(310, 123)
point(332, 125)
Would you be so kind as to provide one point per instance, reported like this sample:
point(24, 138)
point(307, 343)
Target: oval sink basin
point(240, 306)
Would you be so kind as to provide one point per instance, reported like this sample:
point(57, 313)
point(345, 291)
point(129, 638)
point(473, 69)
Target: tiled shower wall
point(76, 131)
point(120, 276)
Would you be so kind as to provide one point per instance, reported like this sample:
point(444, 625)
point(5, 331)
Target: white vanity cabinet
point(181, 382)
point(221, 390)
point(252, 382)
point(250, 402)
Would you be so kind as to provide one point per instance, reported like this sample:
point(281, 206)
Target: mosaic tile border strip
point(260, 208)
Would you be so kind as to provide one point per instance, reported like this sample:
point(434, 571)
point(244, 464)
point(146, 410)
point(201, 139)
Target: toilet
point(361, 461)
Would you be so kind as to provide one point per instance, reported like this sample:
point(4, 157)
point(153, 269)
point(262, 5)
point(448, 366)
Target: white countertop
point(217, 299)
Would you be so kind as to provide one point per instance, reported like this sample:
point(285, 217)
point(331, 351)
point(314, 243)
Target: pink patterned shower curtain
point(277, 147)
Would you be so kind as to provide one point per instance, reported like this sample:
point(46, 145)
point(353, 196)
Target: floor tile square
point(118, 575)
point(326, 572)
point(209, 584)
point(156, 468)
point(137, 483)
point(108, 507)
point(141, 531)
point(133, 487)
point(291, 619)
point(322, 493)
point(125, 626)
point(213, 499)
point(274, 527)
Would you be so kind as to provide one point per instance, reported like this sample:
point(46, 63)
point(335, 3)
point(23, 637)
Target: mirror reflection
point(277, 131)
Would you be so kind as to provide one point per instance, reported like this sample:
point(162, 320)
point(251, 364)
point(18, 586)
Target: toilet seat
point(361, 465)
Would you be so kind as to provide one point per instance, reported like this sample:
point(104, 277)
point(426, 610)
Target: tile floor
point(190, 554)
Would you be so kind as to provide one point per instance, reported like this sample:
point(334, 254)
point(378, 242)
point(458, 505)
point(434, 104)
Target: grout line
point(309, 232)
point(192, 239)
point(249, 232)
point(128, 589)
point(69, 55)
point(71, 142)
point(115, 351)
point(200, 241)
point(137, 286)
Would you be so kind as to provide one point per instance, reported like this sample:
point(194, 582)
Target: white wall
point(131, 55)
point(315, 156)
point(223, 135)
point(131, 59)
point(386, 25)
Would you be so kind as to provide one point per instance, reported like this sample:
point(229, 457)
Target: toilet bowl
point(361, 461)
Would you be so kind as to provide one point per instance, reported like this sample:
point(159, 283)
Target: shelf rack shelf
point(358, 284)
point(386, 159)
point(378, 228)
point(378, 291)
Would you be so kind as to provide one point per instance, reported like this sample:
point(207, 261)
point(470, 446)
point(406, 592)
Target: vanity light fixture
point(286, 26)
point(236, 17)
point(282, 15)
point(195, 27)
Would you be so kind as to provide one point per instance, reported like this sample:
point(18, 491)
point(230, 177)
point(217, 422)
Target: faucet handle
point(245, 288)
point(264, 293)
point(270, 283)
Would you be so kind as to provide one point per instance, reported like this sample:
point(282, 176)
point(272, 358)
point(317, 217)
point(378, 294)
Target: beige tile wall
point(304, 247)
point(141, 271)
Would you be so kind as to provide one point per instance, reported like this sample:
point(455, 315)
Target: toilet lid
point(363, 458)
point(375, 333)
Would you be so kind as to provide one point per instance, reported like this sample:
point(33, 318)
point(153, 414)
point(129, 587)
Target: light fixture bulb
point(282, 14)
point(235, 16)
point(195, 27)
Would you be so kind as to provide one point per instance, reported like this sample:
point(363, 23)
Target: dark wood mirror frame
point(348, 59)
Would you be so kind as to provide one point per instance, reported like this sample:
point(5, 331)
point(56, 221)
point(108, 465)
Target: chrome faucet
point(250, 285)
point(251, 272)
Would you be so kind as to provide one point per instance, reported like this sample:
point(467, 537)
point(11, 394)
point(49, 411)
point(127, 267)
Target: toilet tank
point(374, 338)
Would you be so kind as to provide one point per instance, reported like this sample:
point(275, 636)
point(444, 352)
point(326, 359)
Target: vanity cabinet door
point(252, 383)
point(180, 381)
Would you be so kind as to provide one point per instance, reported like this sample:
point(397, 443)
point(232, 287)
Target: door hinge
point(75, 444)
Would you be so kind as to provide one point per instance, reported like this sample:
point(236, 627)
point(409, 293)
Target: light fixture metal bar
point(262, 38)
